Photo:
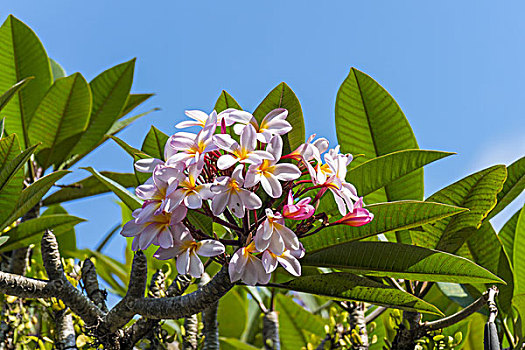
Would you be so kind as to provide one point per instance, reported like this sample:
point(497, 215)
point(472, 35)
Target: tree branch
point(89, 277)
point(123, 312)
point(186, 305)
point(24, 287)
point(65, 331)
point(271, 331)
point(209, 320)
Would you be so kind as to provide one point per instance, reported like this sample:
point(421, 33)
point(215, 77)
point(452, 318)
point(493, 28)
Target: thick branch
point(186, 305)
point(89, 277)
point(357, 322)
point(271, 331)
point(65, 331)
point(209, 320)
point(51, 257)
point(24, 287)
point(123, 312)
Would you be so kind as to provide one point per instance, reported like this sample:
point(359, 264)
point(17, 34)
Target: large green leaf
point(11, 175)
point(90, 186)
point(57, 70)
point(477, 192)
point(507, 234)
point(154, 143)
point(133, 101)
point(283, 97)
point(110, 92)
point(370, 122)
point(29, 197)
point(129, 199)
point(347, 286)
point(513, 186)
point(200, 221)
point(235, 344)
point(387, 217)
point(518, 254)
point(30, 231)
point(60, 117)
point(121, 124)
point(22, 56)
point(232, 314)
point(294, 320)
point(400, 261)
point(378, 172)
point(66, 235)
point(11, 92)
point(225, 101)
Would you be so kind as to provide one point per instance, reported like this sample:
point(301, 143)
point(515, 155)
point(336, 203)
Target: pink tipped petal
point(210, 247)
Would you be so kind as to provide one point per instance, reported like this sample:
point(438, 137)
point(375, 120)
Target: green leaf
point(129, 199)
point(518, 301)
point(129, 149)
point(400, 261)
point(11, 177)
point(11, 92)
point(283, 97)
point(507, 235)
point(518, 254)
point(370, 122)
point(3, 239)
point(154, 143)
point(513, 186)
point(22, 56)
point(236, 344)
point(232, 314)
point(60, 117)
point(66, 236)
point(30, 231)
point(200, 221)
point(121, 124)
point(378, 172)
point(29, 197)
point(477, 192)
point(133, 101)
point(57, 70)
point(110, 92)
point(387, 217)
point(347, 286)
point(90, 186)
point(294, 320)
point(225, 101)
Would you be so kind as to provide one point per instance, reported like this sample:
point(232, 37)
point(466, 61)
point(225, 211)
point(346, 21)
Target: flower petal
point(210, 247)
point(269, 261)
point(196, 268)
point(219, 202)
point(226, 161)
point(183, 262)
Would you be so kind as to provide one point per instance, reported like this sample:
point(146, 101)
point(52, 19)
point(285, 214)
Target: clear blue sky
point(456, 68)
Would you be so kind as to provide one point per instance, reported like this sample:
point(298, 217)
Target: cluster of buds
point(222, 172)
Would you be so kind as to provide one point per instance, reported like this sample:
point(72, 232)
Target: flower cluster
point(233, 171)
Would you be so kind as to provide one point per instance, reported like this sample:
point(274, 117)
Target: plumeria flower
point(309, 150)
point(274, 123)
point(148, 228)
point(243, 153)
point(147, 165)
point(228, 192)
point(274, 235)
point(247, 267)
point(186, 249)
point(299, 211)
point(338, 162)
point(269, 173)
point(288, 259)
point(187, 147)
point(190, 192)
point(359, 216)
point(200, 118)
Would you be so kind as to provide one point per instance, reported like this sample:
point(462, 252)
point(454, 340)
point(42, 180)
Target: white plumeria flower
point(149, 228)
point(190, 192)
point(243, 153)
point(186, 249)
point(247, 267)
point(269, 173)
point(338, 162)
point(274, 235)
point(147, 165)
point(228, 192)
point(309, 150)
point(200, 118)
point(288, 259)
point(274, 123)
point(187, 147)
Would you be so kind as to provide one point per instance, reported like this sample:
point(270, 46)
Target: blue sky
point(455, 68)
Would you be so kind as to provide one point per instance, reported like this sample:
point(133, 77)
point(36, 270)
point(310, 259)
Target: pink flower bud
point(358, 217)
point(299, 211)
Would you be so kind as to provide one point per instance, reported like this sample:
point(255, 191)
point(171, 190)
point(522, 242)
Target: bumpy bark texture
point(271, 331)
